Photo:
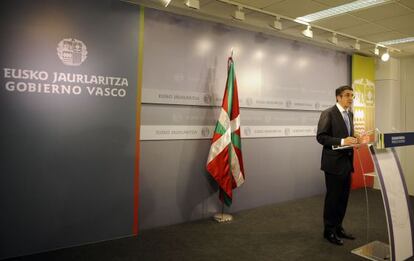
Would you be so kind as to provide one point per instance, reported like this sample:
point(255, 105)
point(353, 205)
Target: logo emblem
point(72, 51)
point(247, 131)
point(205, 132)
point(287, 131)
point(249, 101)
point(207, 99)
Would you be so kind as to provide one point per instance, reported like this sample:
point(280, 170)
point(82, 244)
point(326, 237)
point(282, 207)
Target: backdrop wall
point(281, 83)
point(68, 100)
point(407, 119)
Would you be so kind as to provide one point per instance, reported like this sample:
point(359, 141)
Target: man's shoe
point(333, 238)
point(342, 234)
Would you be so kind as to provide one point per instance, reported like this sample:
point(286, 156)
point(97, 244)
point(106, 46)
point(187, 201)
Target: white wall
point(395, 106)
point(407, 118)
point(388, 98)
point(388, 95)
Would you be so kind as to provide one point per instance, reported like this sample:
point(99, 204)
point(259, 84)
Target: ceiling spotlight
point(356, 46)
point(195, 4)
point(165, 2)
point(308, 32)
point(375, 51)
point(277, 24)
point(239, 14)
point(385, 56)
point(333, 40)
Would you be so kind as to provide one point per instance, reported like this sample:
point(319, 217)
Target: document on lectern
point(339, 147)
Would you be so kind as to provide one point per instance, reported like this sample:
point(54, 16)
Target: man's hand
point(363, 138)
point(350, 141)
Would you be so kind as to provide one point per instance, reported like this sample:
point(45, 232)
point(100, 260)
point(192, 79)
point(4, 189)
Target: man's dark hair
point(341, 89)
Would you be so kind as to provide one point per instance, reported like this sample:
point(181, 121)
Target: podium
point(398, 210)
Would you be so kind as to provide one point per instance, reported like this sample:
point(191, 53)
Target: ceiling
point(391, 20)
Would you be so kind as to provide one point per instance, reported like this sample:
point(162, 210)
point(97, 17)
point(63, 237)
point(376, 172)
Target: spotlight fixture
point(375, 50)
point(333, 40)
point(385, 56)
point(356, 46)
point(277, 24)
point(165, 2)
point(308, 32)
point(239, 14)
point(194, 4)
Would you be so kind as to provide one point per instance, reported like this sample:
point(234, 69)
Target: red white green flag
point(225, 162)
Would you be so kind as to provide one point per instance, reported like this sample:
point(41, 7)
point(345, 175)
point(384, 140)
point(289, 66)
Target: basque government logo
point(72, 52)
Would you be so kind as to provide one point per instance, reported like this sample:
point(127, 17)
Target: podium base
point(223, 217)
point(375, 250)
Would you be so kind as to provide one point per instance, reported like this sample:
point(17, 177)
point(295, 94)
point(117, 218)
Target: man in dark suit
point(335, 128)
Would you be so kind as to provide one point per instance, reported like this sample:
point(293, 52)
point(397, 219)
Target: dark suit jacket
point(331, 129)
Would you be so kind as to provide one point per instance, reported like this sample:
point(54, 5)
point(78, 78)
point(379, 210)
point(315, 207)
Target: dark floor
point(287, 231)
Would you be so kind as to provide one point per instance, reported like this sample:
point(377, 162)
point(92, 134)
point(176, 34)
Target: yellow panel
point(363, 83)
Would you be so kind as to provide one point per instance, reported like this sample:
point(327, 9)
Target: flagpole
point(222, 217)
point(225, 163)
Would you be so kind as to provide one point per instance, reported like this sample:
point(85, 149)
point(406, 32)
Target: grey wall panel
point(67, 161)
point(175, 186)
point(277, 170)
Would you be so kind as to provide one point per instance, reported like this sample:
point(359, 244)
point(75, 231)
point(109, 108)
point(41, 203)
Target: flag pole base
point(221, 217)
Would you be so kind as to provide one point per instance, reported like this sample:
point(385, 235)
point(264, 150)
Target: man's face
point(346, 98)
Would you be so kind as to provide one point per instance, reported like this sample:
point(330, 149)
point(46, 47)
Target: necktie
point(347, 123)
